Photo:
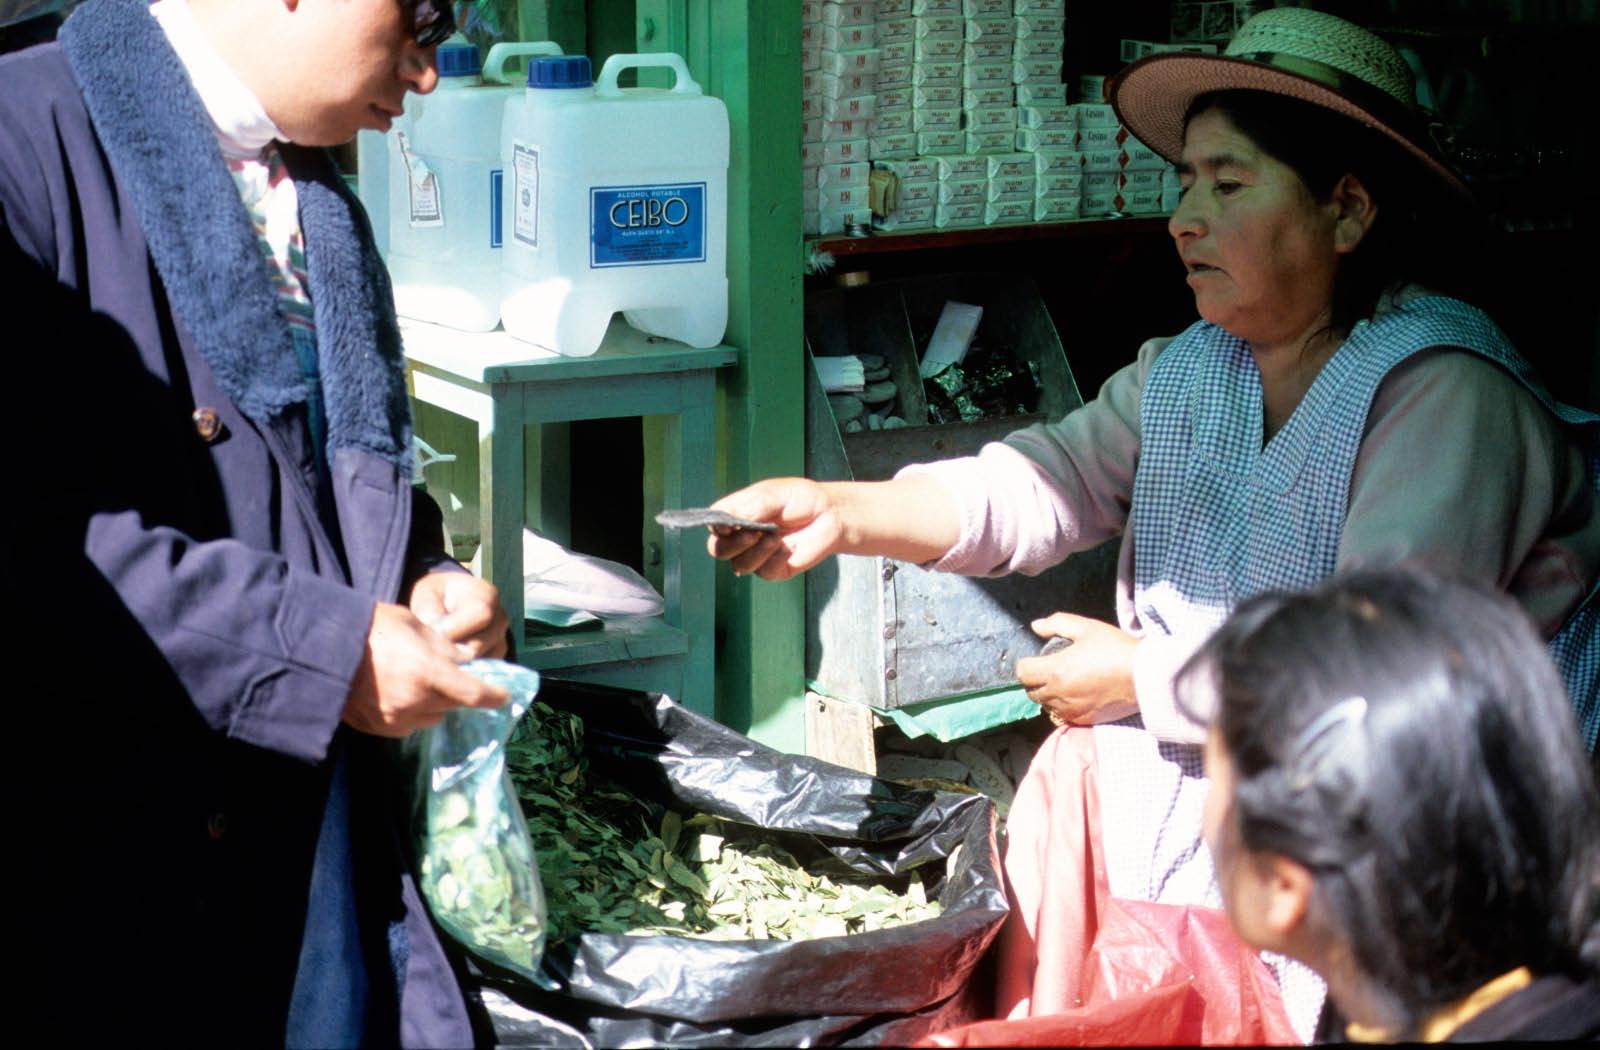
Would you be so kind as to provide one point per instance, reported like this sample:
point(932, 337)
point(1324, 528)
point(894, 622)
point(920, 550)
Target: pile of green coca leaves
point(612, 862)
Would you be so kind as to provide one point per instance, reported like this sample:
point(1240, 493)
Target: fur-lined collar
point(160, 142)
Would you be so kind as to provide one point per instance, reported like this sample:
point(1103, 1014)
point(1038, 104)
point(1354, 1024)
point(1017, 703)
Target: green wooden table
point(505, 385)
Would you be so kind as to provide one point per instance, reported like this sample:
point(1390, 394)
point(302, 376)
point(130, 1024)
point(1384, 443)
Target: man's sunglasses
point(431, 20)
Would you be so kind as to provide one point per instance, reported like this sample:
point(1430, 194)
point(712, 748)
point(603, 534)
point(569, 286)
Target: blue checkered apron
point(1217, 518)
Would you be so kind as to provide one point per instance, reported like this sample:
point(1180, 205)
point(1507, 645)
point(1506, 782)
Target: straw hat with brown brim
point(1294, 51)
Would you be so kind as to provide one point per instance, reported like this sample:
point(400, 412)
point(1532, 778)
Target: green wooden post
point(746, 52)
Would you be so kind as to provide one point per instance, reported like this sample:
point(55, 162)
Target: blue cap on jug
point(458, 57)
point(562, 71)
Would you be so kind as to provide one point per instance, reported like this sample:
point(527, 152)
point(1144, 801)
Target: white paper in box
point(810, 34)
point(940, 27)
point(894, 122)
point(986, 51)
point(810, 57)
point(947, 72)
point(893, 9)
point(980, 74)
point(892, 146)
point(1099, 138)
point(936, 118)
point(1101, 181)
point(808, 179)
point(1019, 210)
point(1138, 201)
point(919, 191)
point(946, 94)
point(936, 49)
point(840, 63)
point(987, 95)
point(1045, 117)
point(811, 155)
point(990, 29)
point(1098, 204)
point(895, 51)
point(939, 143)
point(893, 100)
point(975, 188)
point(843, 176)
point(952, 337)
point(1091, 87)
point(1058, 184)
point(1040, 25)
point(1053, 161)
point(980, 8)
point(1009, 165)
point(811, 129)
point(810, 200)
point(998, 140)
point(1036, 71)
point(1038, 7)
point(1094, 115)
point(1011, 188)
point(849, 38)
point(1041, 94)
point(850, 85)
point(1137, 156)
point(1102, 160)
point(896, 76)
point(1031, 139)
point(831, 222)
point(857, 14)
point(1026, 47)
point(1055, 209)
point(810, 108)
point(844, 151)
point(810, 10)
point(992, 118)
point(912, 170)
point(1139, 179)
point(958, 216)
point(862, 108)
point(962, 167)
point(896, 31)
point(842, 198)
point(936, 7)
point(906, 219)
point(845, 130)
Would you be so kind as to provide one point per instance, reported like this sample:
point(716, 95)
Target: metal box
point(887, 633)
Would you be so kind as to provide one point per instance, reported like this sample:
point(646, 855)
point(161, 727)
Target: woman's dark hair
point(1451, 822)
point(1422, 233)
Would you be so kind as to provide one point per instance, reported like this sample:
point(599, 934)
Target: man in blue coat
point(235, 598)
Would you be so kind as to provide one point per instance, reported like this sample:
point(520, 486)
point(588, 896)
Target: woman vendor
point(1398, 800)
point(1330, 409)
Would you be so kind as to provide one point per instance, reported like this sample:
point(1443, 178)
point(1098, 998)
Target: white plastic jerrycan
point(445, 227)
point(617, 199)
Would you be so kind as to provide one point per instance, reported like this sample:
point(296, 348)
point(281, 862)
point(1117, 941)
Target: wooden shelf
point(877, 243)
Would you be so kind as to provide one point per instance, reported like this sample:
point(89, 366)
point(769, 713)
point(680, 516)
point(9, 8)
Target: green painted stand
point(504, 386)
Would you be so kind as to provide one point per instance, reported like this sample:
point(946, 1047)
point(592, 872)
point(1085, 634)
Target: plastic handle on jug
point(494, 65)
point(683, 83)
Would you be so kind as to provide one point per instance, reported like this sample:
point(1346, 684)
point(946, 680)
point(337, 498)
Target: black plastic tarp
point(884, 986)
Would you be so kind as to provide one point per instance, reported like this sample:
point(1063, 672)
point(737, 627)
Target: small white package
point(952, 337)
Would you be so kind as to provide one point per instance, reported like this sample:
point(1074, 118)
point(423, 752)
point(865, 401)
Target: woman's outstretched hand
point(809, 528)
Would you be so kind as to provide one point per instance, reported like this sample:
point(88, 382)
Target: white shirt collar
point(242, 126)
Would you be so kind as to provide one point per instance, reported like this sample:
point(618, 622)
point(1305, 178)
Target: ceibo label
point(647, 225)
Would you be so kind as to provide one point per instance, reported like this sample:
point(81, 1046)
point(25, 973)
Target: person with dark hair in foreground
point(1400, 800)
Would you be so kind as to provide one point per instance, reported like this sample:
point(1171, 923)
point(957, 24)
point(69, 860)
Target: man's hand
point(1087, 682)
point(465, 609)
point(410, 678)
